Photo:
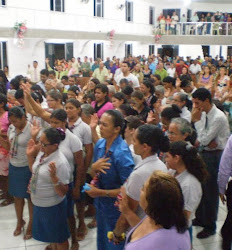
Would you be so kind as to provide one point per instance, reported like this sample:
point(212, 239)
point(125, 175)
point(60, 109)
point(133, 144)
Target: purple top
point(225, 167)
point(106, 107)
point(161, 239)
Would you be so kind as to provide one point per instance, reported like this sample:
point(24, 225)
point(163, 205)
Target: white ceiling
point(213, 1)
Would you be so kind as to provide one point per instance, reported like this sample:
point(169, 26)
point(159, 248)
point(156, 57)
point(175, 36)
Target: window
point(57, 5)
point(55, 51)
point(98, 51)
point(129, 11)
point(128, 50)
point(98, 8)
point(3, 55)
point(151, 50)
point(151, 15)
point(3, 2)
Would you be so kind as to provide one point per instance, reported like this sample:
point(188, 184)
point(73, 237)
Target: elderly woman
point(48, 186)
point(113, 164)
point(158, 231)
point(181, 130)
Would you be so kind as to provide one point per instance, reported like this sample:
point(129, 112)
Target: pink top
point(4, 122)
point(106, 106)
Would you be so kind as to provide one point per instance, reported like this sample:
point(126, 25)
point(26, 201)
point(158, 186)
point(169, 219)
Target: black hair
point(127, 110)
point(126, 63)
point(74, 89)
point(104, 89)
point(191, 158)
point(95, 80)
point(91, 96)
point(120, 96)
point(52, 72)
point(19, 94)
point(185, 83)
point(153, 137)
point(37, 96)
point(138, 94)
point(17, 112)
point(127, 90)
point(202, 94)
point(44, 72)
point(158, 77)
point(54, 136)
point(124, 80)
point(3, 99)
point(38, 89)
point(14, 83)
point(35, 61)
point(3, 75)
point(171, 112)
point(59, 114)
point(74, 102)
point(150, 86)
point(64, 78)
point(117, 118)
point(170, 79)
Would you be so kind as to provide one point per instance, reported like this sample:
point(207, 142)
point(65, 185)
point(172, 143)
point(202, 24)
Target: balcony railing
point(195, 29)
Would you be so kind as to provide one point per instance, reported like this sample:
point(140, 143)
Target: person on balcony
point(183, 20)
point(175, 20)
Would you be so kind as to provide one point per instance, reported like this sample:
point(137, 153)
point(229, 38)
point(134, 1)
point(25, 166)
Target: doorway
point(169, 50)
point(170, 12)
point(206, 50)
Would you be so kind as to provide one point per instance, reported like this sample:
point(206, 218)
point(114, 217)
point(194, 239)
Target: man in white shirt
point(43, 78)
point(180, 99)
point(133, 80)
point(188, 88)
point(175, 20)
point(34, 73)
point(194, 70)
point(212, 134)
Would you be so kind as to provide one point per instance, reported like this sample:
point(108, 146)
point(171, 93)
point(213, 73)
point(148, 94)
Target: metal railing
point(195, 28)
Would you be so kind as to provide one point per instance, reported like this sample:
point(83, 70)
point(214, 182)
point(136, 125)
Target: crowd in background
point(114, 139)
point(218, 24)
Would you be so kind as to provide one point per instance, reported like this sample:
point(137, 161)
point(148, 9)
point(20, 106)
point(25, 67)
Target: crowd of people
point(125, 142)
point(218, 24)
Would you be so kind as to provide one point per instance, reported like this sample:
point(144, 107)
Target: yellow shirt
point(100, 75)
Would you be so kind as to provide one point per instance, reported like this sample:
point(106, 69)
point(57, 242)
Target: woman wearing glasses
point(18, 136)
point(48, 186)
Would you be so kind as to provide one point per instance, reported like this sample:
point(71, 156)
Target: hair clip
point(189, 146)
point(61, 131)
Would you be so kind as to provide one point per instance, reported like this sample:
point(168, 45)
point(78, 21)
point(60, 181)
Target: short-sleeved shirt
point(139, 176)
point(161, 239)
point(192, 191)
point(18, 145)
point(70, 145)
point(100, 74)
point(82, 131)
point(121, 167)
point(45, 194)
point(105, 107)
point(133, 80)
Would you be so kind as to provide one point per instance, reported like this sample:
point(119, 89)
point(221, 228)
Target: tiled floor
point(8, 241)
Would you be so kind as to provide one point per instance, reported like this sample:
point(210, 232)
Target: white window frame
point(151, 22)
point(54, 6)
point(96, 4)
point(129, 13)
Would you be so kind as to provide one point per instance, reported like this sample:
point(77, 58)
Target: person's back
point(161, 239)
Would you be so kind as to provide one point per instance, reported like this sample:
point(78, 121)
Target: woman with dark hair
point(4, 83)
point(139, 104)
point(38, 89)
point(190, 171)
point(14, 84)
point(73, 92)
point(118, 99)
point(71, 147)
point(102, 102)
point(185, 74)
point(148, 90)
point(147, 141)
point(48, 186)
point(164, 226)
point(112, 166)
point(90, 86)
point(4, 154)
point(18, 136)
point(168, 114)
point(127, 110)
point(170, 86)
point(206, 79)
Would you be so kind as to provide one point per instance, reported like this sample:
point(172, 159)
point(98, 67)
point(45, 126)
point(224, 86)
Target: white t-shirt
point(139, 176)
point(82, 131)
point(192, 191)
point(70, 145)
point(45, 194)
point(171, 72)
point(133, 80)
point(18, 146)
point(195, 69)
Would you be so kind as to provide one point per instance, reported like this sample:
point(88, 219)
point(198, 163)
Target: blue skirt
point(19, 178)
point(50, 223)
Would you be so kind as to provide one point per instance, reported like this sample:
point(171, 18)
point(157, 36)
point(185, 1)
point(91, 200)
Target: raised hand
point(35, 128)
point(32, 148)
point(94, 121)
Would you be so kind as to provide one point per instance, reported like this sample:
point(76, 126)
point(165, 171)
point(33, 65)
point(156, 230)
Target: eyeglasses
point(44, 144)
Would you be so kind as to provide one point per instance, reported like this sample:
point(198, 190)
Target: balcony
point(217, 33)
